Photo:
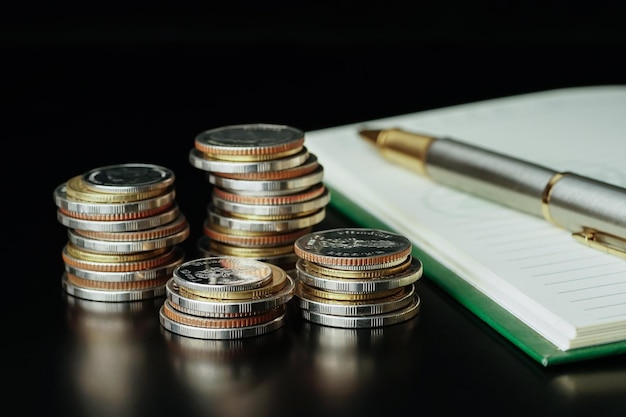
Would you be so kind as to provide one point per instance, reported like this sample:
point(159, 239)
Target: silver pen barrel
point(508, 181)
point(575, 203)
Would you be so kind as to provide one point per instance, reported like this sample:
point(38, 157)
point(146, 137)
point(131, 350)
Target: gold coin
point(225, 236)
point(249, 252)
point(117, 216)
point(278, 282)
point(129, 266)
point(108, 285)
point(90, 256)
point(76, 189)
point(221, 322)
point(252, 157)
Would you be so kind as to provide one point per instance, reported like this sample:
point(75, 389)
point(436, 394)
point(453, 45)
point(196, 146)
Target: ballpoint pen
point(593, 211)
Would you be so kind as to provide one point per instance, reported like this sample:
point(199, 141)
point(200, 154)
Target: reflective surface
point(88, 90)
point(114, 359)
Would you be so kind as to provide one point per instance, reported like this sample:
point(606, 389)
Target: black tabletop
point(87, 90)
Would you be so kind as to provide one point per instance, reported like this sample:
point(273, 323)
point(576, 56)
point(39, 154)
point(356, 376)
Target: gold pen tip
point(370, 135)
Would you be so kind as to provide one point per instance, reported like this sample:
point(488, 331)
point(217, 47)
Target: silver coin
point(355, 307)
point(273, 226)
point(253, 137)
point(353, 247)
point(205, 163)
point(204, 307)
point(114, 296)
point(84, 207)
point(119, 225)
point(260, 186)
point(356, 286)
point(222, 273)
point(128, 178)
point(227, 333)
point(272, 209)
point(374, 320)
point(122, 247)
point(161, 271)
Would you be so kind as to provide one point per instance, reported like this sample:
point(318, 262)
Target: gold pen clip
point(602, 241)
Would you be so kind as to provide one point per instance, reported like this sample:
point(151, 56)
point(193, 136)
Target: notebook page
point(557, 286)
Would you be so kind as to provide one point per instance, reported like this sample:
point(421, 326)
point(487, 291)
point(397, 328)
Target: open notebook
point(550, 295)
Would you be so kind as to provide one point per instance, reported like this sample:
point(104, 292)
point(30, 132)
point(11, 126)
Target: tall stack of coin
point(226, 297)
point(266, 191)
point(124, 227)
point(356, 278)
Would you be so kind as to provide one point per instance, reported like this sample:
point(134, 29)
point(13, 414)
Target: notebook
point(554, 298)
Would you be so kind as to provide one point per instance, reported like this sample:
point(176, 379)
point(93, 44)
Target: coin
point(280, 186)
point(278, 292)
point(119, 225)
point(268, 210)
point(222, 274)
point(128, 178)
point(204, 162)
point(275, 226)
point(220, 333)
point(366, 285)
point(114, 265)
point(179, 224)
point(353, 247)
point(85, 208)
point(221, 322)
point(254, 140)
point(113, 296)
point(125, 247)
point(76, 189)
point(366, 321)
point(387, 304)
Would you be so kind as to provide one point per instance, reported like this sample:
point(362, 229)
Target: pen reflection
point(227, 377)
point(109, 357)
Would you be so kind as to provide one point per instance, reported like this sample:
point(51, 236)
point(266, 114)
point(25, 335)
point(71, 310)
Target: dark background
point(86, 86)
point(93, 84)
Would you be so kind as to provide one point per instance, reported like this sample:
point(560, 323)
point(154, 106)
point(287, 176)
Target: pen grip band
point(581, 204)
point(547, 194)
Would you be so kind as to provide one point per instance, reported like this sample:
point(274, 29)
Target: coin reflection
point(345, 361)
point(228, 377)
point(109, 356)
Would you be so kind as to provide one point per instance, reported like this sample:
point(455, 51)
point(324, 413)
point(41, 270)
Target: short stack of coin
point(124, 227)
point(226, 297)
point(266, 191)
point(356, 278)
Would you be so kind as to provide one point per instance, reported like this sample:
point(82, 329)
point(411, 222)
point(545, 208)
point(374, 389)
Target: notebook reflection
point(592, 383)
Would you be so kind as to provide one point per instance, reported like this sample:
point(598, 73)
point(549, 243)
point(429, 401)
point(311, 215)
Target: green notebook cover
point(483, 307)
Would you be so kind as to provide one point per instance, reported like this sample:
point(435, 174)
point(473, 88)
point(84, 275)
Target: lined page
point(564, 290)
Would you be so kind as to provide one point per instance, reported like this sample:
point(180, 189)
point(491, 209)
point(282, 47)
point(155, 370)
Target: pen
point(593, 211)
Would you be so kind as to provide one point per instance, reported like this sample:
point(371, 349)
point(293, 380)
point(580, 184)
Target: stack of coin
point(226, 297)
point(266, 191)
point(356, 278)
point(124, 227)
